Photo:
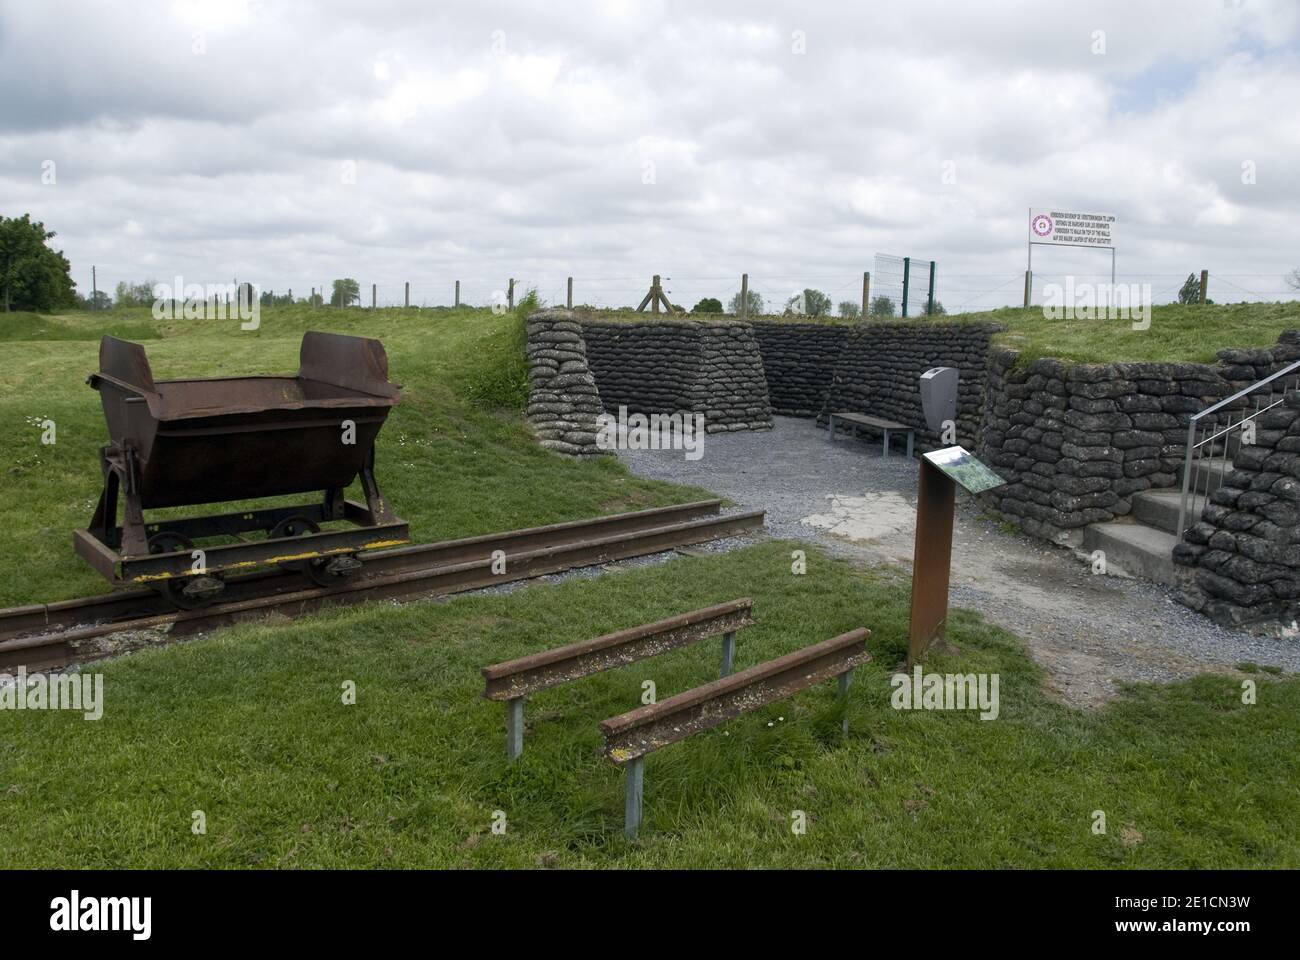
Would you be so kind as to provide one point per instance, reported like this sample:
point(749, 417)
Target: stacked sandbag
point(563, 400)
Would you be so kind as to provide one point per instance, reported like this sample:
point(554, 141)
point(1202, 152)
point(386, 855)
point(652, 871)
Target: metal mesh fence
point(900, 286)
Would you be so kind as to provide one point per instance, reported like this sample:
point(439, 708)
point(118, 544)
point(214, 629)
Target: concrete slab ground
point(1091, 632)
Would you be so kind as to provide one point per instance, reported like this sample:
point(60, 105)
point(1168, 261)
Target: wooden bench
point(879, 423)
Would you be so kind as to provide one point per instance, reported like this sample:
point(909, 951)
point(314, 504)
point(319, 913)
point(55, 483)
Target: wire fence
point(775, 294)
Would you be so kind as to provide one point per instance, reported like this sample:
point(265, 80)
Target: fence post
point(291, 294)
point(374, 295)
point(907, 279)
point(744, 296)
point(510, 295)
point(458, 293)
point(929, 303)
point(1205, 282)
point(866, 292)
point(1029, 286)
point(654, 294)
point(408, 293)
point(569, 300)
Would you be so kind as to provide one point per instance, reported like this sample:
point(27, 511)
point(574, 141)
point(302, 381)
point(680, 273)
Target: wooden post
point(866, 293)
point(458, 293)
point(569, 299)
point(931, 559)
point(374, 295)
point(510, 295)
point(654, 294)
point(1205, 282)
point(1029, 286)
point(291, 294)
point(744, 296)
point(94, 291)
point(408, 293)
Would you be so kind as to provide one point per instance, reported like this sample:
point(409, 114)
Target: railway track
point(54, 635)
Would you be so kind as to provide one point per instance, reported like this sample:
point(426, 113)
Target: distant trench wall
point(712, 368)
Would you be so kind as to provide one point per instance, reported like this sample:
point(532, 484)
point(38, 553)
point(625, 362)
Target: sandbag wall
point(563, 401)
point(1076, 441)
point(799, 360)
point(880, 367)
point(712, 367)
point(1244, 551)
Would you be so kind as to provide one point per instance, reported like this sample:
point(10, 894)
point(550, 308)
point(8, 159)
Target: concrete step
point(1211, 470)
point(1136, 549)
point(1159, 508)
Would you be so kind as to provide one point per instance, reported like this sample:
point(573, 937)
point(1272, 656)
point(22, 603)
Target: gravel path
point(1091, 632)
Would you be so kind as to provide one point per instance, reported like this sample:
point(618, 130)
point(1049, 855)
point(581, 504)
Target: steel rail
point(513, 680)
point(630, 736)
point(136, 603)
point(77, 644)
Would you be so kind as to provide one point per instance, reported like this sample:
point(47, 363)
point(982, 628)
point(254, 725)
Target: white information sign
point(1067, 228)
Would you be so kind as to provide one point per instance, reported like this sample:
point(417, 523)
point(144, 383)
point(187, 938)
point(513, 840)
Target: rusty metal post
point(633, 795)
point(936, 497)
point(514, 727)
point(728, 654)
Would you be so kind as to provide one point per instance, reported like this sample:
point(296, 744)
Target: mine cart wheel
point(315, 569)
point(174, 588)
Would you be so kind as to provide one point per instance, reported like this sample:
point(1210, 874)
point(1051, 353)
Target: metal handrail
point(1193, 445)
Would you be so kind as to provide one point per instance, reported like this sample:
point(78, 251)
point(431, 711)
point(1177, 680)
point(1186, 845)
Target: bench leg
point(633, 796)
point(910, 435)
point(885, 453)
point(728, 654)
point(514, 727)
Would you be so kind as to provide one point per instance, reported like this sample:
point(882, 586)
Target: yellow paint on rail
point(286, 558)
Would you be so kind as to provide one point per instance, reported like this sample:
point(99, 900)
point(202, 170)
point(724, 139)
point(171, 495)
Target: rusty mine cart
point(178, 443)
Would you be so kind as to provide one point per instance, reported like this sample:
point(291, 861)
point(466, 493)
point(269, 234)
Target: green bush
point(708, 305)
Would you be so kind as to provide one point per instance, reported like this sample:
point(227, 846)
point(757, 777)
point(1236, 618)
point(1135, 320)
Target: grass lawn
point(249, 727)
point(450, 464)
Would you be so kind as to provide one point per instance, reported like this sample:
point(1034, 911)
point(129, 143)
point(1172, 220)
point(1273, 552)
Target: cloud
point(491, 140)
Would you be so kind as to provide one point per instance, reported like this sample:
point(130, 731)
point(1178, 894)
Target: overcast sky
point(288, 143)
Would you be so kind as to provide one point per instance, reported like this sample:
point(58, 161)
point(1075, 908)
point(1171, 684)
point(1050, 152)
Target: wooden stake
point(510, 296)
point(744, 296)
point(569, 300)
point(1205, 283)
point(458, 293)
point(866, 293)
point(374, 295)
